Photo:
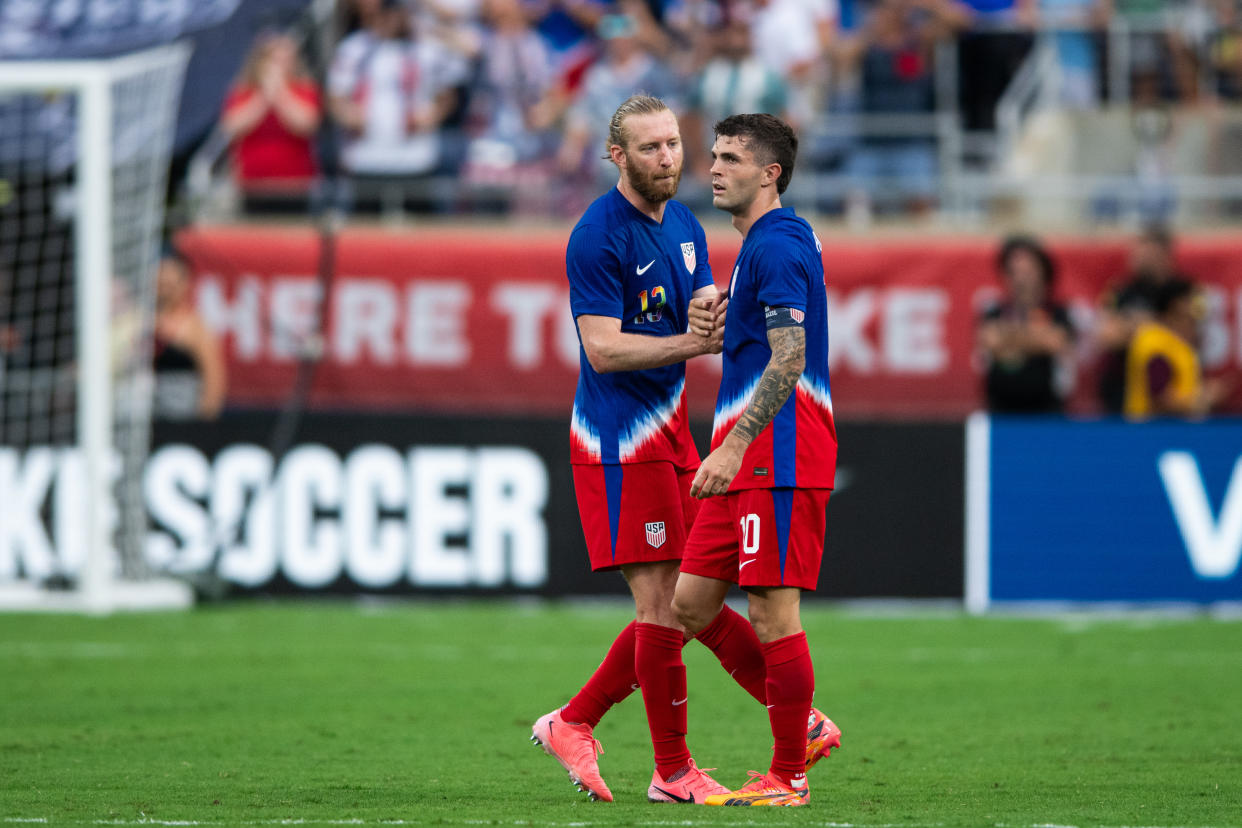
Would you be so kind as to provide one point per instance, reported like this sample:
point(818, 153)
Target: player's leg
point(662, 676)
point(733, 640)
point(781, 542)
point(567, 733)
point(790, 685)
point(611, 683)
point(658, 640)
point(726, 633)
point(614, 680)
point(651, 520)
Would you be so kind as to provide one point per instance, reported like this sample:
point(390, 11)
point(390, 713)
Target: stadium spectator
point(690, 24)
point(458, 31)
point(1151, 77)
point(390, 90)
point(1075, 27)
point(990, 52)
point(1125, 307)
point(190, 374)
point(270, 118)
point(893, 56)
point(1025, 339)
point(793, 38)
point(354, 15)
point(1163, 373)
point(568, 28)
point(515, 100)
point(627, 65)
point(1206, 45)
point(733, 80)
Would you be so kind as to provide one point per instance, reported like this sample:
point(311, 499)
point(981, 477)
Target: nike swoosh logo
point(674, 796)
point(742, 565)
point(645, 267)
point(680, 703)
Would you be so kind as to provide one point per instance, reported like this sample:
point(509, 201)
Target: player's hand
point(714, 343)
point(717, 471)
point(702, 315)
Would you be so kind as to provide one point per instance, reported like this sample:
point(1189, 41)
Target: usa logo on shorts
point(687, 253)
point(656, 534)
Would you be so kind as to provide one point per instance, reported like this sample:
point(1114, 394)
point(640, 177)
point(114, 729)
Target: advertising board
point(1103, 511)
point(391, 504)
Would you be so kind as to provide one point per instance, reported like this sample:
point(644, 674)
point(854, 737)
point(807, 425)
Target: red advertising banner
point(477, 321)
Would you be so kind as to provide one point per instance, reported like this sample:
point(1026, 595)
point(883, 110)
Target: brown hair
point(771, 140)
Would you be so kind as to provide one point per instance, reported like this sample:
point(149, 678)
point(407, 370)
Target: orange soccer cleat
point(821, 737)
point(765, 789)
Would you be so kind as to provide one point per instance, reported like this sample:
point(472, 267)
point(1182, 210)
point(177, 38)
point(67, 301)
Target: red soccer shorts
point(634, 512)
point(759, 538)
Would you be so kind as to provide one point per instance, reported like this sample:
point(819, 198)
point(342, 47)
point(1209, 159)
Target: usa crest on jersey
point(687, 253)
point(656, 534)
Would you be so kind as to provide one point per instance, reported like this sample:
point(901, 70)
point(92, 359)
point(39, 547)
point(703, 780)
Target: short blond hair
point(640, 104)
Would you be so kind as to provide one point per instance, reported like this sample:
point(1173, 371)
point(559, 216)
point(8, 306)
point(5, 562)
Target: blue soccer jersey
point(780, 265)
point(625, 265)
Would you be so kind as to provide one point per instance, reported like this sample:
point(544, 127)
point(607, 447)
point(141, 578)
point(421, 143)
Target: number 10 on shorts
point(750, 533)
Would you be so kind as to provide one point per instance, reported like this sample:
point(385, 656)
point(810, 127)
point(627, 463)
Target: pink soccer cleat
point(764, 789)
point(821, 737)
point(576, 748)
point(689, 785)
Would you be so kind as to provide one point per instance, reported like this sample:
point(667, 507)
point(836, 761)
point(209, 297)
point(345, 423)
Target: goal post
point(85, 148)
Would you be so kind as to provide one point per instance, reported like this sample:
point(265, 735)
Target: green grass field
point(419, 714)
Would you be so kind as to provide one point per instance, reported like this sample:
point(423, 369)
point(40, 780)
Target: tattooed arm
point(779, 378)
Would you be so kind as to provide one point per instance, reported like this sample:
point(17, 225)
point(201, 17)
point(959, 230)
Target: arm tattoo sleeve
point(778, 380)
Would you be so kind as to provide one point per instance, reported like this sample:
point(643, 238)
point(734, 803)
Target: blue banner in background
point(1114, 512)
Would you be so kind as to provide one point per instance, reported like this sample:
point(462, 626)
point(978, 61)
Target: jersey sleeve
point(594, 269)
point(784, 280)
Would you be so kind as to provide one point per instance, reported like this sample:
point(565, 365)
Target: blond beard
point(646, 186)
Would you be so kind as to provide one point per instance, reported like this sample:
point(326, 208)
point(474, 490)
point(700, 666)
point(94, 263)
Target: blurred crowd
point(508, 100)
point(1144, 345)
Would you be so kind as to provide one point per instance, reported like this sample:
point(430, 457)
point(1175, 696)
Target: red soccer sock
point(733, 640)
point(662, 676)
point(611, 682)
point(790, 686)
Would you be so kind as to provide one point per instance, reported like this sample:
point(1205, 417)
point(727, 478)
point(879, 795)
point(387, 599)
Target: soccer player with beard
point(766, 482)
point(641, 292)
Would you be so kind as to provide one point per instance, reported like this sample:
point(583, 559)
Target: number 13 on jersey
point(655, 311)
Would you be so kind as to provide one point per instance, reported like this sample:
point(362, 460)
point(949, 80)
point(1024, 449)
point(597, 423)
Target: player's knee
point(773, 622)
point(690, 614)
point(761, 621)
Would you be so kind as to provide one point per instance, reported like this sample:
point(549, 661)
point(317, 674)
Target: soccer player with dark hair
point(766, 482)
point(639, 278)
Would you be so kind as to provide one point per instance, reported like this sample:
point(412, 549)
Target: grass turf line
point(419, 714)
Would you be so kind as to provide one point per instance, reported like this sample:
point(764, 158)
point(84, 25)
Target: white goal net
point(84, 156)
